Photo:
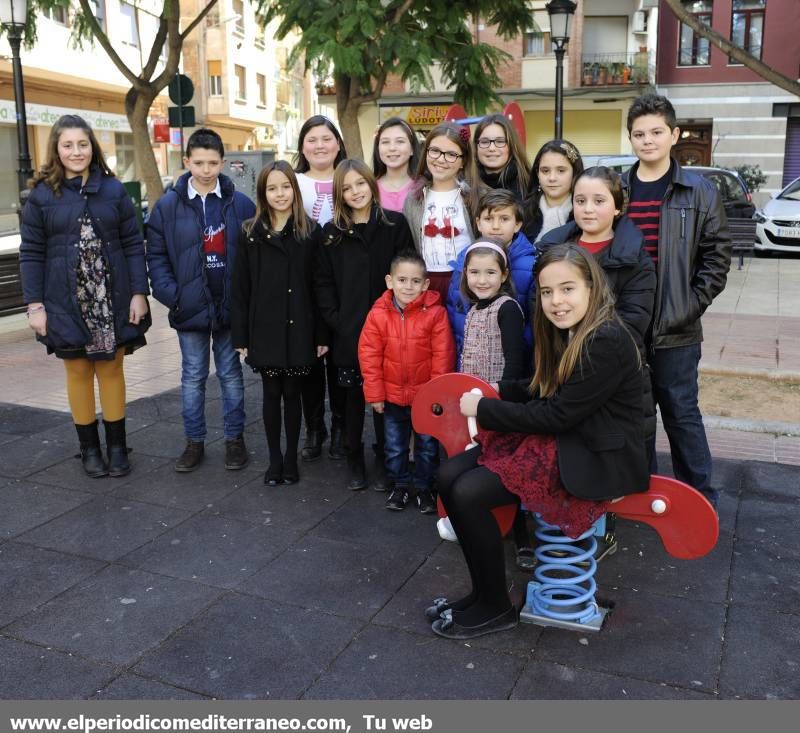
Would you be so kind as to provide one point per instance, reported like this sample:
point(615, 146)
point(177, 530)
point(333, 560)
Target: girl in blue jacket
point(84, 280)
point(499, 217)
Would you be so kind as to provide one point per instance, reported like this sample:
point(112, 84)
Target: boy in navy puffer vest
point(191, 246)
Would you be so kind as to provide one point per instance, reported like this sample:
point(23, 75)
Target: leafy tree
point(752, 175)
point(737, 53)
point(145, 83)
point(362, 42)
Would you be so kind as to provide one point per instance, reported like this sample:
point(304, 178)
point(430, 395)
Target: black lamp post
point(13, 16)
point(560, 12)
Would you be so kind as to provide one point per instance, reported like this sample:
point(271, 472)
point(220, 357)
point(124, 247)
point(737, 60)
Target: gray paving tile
point(762, 577)
point(29, 672)
point(34, 504)
point(642, 563)
point(116, 615)
point(549, 681)
point(132, 687)
point(10, 438)
point(212, 550)
point(21, 420)
point(771, 523)
point(299, 507)
point(30, 576)
point(105, 528)
point(200, 489)
point(38, 451)
point(245, 647)
point(661, 639)
point(762, 655)
point(165, 439)
point(771, 479)
point(313, 572)
point(69, 474)
point(383, 663)
point(364, 519)
point(158, 407)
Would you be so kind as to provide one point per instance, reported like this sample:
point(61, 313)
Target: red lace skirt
point(528, 467)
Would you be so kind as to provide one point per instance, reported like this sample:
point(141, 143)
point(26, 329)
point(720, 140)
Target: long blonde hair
point(556, 354)
point(302, 224)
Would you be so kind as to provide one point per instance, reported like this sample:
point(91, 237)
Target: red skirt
point(528, 467)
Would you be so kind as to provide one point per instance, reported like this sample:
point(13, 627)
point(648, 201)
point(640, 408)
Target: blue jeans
point(397, 430)
point(194, 374)
point(674, 375)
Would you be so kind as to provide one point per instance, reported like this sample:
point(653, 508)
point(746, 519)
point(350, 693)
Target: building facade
point(728, 115)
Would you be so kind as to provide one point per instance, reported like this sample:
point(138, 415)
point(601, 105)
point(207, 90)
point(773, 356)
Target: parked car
point(778, 222)
point(618, 163)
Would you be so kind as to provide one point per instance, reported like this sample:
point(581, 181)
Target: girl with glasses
point(501, 159)
point(440, 207)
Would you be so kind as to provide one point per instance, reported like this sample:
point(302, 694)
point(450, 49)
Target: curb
point(791, 430)
point(773, 375)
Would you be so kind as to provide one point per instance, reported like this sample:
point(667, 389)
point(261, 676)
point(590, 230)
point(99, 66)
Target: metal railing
point(617, 69)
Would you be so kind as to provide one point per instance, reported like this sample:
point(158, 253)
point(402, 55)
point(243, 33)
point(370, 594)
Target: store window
point(747, 26)
point(215, 78)
point(694, 50)
point(537, 37)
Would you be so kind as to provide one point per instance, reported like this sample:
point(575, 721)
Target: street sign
point(181, 89)
point(183, 119)
point(160, 131)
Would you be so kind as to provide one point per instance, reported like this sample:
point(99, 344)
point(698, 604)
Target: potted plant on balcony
point(616, 72)
point(588, 78)
point(626, 74)
point(602, 75)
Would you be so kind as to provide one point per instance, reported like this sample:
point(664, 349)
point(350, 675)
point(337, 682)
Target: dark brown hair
point(562, 147)
point(302, 224)
point(507, 286)
point(342, 213)
point(613, 181)
point(52, 172)
point(499, 198)
point(652, 104)
point(301, 162)
point(517, 159)
point(378, 166)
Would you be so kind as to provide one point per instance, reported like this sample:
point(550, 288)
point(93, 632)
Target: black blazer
point(351, 275)
point(596, 417)
point(273, 314)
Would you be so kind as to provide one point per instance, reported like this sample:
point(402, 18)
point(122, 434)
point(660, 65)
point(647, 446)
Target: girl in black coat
point(273, 317)
point(84, 280)
point(358, 248)
point(565, 444)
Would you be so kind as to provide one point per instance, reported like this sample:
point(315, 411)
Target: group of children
point(374, 280)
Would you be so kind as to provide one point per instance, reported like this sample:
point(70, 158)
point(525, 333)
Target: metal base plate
point(527, 616)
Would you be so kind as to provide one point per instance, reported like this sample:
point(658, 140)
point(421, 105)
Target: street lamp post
point(13, 16)
point(560, 12)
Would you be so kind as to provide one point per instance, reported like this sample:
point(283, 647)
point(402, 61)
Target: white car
point(778, 222)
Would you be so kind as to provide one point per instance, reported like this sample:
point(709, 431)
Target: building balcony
point(325, 89)
point(617, 69)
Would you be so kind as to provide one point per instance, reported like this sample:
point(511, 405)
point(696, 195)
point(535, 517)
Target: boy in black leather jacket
point(686, 233)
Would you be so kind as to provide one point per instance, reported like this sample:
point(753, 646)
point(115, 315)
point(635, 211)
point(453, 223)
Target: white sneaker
point(446, 531)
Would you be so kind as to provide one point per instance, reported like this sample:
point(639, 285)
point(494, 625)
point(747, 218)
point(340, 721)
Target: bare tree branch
point(202, 14)
point(155, 49)
point(735, 52)
point(102, 39)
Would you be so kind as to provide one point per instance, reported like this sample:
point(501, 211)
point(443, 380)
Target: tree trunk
point(137, 107)
point(351, 131)
point(737, 54)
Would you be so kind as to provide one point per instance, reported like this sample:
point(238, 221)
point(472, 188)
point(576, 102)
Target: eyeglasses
point(484, 143)
point(448, 155)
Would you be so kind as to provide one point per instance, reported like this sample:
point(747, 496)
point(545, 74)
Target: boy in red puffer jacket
point(406, 341)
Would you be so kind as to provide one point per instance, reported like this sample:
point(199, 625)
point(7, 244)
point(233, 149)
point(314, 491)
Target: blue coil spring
point(565, 573)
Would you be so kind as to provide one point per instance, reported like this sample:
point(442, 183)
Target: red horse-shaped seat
point(683, 517)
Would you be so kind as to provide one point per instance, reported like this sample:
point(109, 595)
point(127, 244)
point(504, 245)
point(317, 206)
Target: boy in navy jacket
point(191, 247)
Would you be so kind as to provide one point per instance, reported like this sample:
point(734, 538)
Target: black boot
point(336, 448)
point(117, 448)
point(312, 448)
point(356, 470)
point(91, 456)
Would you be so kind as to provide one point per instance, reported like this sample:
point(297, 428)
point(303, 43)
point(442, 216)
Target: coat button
point(289, 291)
point(291, 322)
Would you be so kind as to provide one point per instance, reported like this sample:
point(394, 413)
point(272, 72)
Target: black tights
point(286, 389)
point(469, 492)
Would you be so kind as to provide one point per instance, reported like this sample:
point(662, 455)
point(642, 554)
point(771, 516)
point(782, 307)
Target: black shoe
point(356, 470)
point(312, 448)
point(449, 629)
point(397, 499)
point(273, 475)
point(191, 457)
point(336, 448)
point(379, 481)
point(236, 456)
point(291, 474)
point(425, 502)
point(91, 456)
point(117, 448)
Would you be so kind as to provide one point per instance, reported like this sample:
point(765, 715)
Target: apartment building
point(728, 115)
point(244, 86)
point(609, 61)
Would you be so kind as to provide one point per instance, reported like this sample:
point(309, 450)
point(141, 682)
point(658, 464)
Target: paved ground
point(160, 585)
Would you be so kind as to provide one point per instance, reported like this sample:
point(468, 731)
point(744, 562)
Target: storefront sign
point(424, 116)
point(44, 114)
point(160, 130)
